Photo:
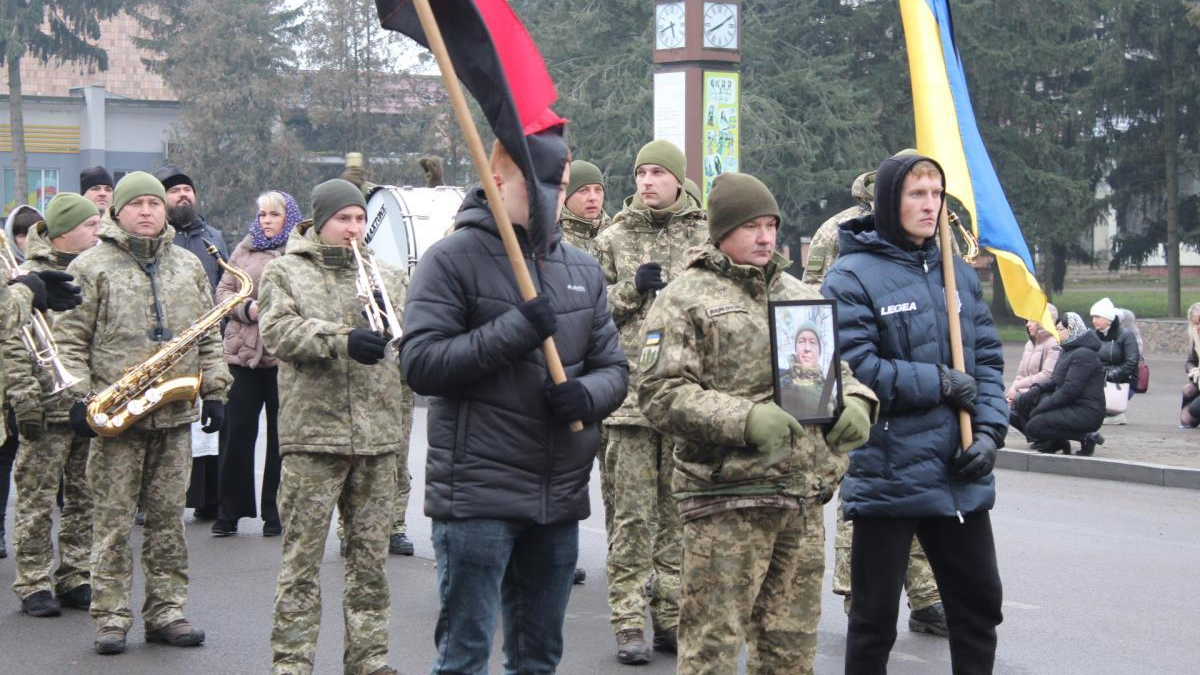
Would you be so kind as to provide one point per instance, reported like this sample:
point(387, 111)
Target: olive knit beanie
point(583, 173)
point(737, 198)
point(332, 196)
point(693, 190)
point(134, 185)
point(66, 211)
point(665, 154)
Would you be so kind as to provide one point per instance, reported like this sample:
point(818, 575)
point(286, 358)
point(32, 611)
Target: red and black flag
point(500, 65)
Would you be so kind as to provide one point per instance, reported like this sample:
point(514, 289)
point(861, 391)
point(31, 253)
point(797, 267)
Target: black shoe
point(931, 619)
point(178, 633)
point(272, 528)
point(400, 544)
point(1045, 447)
point(224, 528)
point(139, 518)
point(1087, 447)
point(110, 640)
point(205, 513)
point(42, 603)
point(580, 577)
point(79, 597)
point(666, 639)
point(631, 647)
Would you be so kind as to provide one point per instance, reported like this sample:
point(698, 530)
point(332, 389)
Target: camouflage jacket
point(823, 249)
point(581, 232)
point(115, 327)
point(328, 402)
point(634, 239)
point(14, 313)
point(29, 385)
point(706, 361)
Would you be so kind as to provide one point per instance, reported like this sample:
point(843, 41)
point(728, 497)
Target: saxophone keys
point(153, 395)
point(136, 406)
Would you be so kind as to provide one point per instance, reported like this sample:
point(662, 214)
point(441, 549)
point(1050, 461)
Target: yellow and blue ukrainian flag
point(946, 131)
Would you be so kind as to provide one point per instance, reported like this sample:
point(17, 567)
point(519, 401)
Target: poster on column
point(720, 128)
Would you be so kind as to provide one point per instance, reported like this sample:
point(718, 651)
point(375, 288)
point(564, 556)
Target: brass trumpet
point(370, 289)
point(36, 335)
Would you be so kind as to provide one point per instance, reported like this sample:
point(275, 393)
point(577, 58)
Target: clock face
point(668, 26)
point(720, 25)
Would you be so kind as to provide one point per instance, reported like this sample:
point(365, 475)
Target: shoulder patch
point(815, 262)
point(650, 349)
point(714, 312)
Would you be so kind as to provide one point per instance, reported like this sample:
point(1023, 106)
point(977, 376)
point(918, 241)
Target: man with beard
point(192, 233)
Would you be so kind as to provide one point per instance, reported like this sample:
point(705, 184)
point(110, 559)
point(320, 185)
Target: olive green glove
point(852, 427)
point(770, 428)
point(31, 424)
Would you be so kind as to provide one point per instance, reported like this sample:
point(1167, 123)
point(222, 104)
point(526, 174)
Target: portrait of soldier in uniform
point(805, 354)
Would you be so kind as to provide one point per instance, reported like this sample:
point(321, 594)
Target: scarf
point(1075, 327)
point(259, 240)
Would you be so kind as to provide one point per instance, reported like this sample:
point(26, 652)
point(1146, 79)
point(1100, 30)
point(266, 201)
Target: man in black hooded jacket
point(506, 481)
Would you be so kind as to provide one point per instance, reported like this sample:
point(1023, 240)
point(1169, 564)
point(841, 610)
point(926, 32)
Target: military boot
point(41, 603)
point(178, 633)
point(110, 640)
point(931, 619)
point(666, 639)
point(79, 597)
point(400, 544)
point(631, 647)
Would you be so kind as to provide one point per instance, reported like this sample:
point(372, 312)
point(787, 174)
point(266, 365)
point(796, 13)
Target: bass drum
point(403, 222)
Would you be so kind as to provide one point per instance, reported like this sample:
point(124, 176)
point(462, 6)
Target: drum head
point(403, 222)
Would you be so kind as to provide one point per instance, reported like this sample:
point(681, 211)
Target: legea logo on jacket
point(895, 309)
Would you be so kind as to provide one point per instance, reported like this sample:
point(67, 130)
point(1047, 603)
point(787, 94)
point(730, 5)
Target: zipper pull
point(960, 518)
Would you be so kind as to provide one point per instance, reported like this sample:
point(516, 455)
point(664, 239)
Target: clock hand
point(714, 28)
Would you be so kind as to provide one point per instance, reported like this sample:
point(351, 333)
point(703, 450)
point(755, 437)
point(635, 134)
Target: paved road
point(1100, 578)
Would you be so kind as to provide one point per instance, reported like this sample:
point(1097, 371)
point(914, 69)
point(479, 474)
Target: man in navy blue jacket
point(506, 481)
point(912, 478)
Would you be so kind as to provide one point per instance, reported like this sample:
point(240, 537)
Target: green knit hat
point(66, 211)
point(693, 190)
point(737, 198)
point(134, 185)
point(665, 154)
point(583, 173)
point(332, 196)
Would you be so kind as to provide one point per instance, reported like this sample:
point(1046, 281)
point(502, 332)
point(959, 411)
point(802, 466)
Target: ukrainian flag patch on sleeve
point(650, 350)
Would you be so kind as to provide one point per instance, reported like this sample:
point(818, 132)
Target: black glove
point(648, 278)
point(58, 293)
point(35, 284)
point(365, 346)
point(540, 313)
point(571, 401)
point(958, 388)
point(79, 421)
point(31, 424)
point(212, 416)
point(976, 461)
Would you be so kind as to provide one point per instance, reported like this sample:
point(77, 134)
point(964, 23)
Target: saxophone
point(143, 389)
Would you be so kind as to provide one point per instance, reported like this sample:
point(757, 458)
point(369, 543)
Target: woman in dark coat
point(1070, 407)
point(1118, 349)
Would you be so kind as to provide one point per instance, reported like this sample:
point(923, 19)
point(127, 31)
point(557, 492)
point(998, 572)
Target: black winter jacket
point(1118, 353)
point(893, 332)
point(1074, 396)
point(495, 449)
point(195, 237)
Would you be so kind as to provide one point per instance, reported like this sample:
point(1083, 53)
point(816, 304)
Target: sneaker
point(931, 619)
point(631, 647)
point(400, 544)
point(110, 640)
point(666, 639)
point(79, 597)
point(580, 577)
point(178, 633)
point(42, 603)
point(272, 528)
point(1115, 419)
point(224, 528)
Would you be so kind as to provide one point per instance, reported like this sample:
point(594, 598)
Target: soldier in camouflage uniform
point(927, 614)
point(53, 453)
point(338, 449)
point(749, 479)
point(643, 250)
point(140, 291)
point(583, 215)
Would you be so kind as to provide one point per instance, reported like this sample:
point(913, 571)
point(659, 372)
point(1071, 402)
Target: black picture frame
point(805, 401)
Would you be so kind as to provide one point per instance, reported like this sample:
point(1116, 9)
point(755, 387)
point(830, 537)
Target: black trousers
point(963, 558)
point(8, 454)
point(252, 389)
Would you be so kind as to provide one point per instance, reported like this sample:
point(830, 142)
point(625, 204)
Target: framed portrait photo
point(804, 359)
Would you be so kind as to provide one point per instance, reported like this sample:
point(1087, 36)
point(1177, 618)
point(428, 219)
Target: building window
point(43, 185)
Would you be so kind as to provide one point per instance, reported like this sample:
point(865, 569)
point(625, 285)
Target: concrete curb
point(1099, 467)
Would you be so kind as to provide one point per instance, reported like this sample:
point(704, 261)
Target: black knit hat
point(171, 175)
point(737, 198)
point(93, 176)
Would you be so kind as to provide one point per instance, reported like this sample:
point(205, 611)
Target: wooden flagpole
point(956, 347)
point(511, 246)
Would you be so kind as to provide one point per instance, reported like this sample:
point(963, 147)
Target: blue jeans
point(522, 569)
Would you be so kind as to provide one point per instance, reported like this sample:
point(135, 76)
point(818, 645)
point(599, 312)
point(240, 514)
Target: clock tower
point(696, 84)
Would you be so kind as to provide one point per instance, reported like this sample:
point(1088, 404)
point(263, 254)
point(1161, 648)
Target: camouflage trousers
point(58, 454)
point(150, 467)
point(644, 538)
point(363, 488)
point(606, 497)
point(918, 577)
point(751, 575)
